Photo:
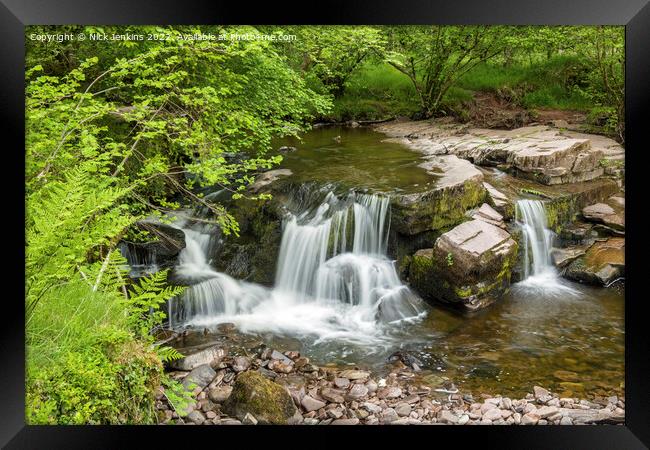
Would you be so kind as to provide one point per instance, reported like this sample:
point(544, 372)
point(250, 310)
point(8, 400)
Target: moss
point(438, 209)
point(268, 401)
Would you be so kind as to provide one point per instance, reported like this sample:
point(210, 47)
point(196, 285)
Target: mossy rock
point(269, 402)
point(437, 209)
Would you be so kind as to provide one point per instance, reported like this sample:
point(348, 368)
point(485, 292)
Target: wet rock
point(354, 374)
point(267, 401)
point(280, 367)
point(200, 377)
point(241, 363)
point(357, 392)
point(605, 214)
point(469, 266)
point(603, 263)
point(266, 178)
point(332, 395)
point(403, 409)
point(353, 421)
point(210, 356)
point(249, 419)
point(487, 214)
point(311, 404)
point(407, 358)
point(389, 392)
point(541, 394)
point(499, 201)
point(287, 149)
point(562, 257)
point(341, 383)
point(446, 416)
point(196, 417)
point(458, 188)
point(220, 394)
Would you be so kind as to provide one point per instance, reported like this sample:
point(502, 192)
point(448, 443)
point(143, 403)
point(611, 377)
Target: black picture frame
point(634, 14)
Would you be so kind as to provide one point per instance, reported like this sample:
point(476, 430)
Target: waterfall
point(537, 243)
point(333, 277)
point(537, 239)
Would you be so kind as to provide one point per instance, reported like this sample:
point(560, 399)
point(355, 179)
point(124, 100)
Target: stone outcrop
point(544, 154)
point(458, 188)
point(499, 201)
point(610, 216)
point(469, 266)
point(603, 263)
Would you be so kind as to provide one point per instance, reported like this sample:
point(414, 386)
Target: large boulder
point(267, 401)
point(603, 263)
point(458, 188)
point(469, 266)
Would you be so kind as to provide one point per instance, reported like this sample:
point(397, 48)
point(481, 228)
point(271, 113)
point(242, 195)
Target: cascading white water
point(333, 278)
point(537, 242)
point(537, 239)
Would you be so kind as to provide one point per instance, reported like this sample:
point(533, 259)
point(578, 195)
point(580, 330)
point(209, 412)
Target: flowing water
point(537, 242)
point(334, 280)
point(338, 299)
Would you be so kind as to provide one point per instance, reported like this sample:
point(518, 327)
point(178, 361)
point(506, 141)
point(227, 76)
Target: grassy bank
point(378, 91)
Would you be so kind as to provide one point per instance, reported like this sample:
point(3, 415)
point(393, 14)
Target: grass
point(378, 91)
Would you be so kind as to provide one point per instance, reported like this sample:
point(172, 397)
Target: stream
point(338, 299)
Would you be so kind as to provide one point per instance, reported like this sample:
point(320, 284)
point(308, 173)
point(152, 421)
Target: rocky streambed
point(262, 385)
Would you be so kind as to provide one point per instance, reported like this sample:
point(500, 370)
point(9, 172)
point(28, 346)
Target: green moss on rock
point(269, 402)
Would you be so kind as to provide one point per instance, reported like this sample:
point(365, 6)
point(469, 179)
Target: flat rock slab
point(603, 263)
point(487, 214)
point(606, 214)
point(546, 154)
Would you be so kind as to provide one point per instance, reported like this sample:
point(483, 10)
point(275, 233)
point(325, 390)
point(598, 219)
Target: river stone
point(546, 411)
point(341, 383)
point(530, 419)
point(389, 415)
point(403, 409)
point(357, 392)
point(220, 394)
point(353, 421)
point(211, 356)
point(196, 417)
point(241, 363)
point(267, 401)
point(389, 392)
point(559, 161)
point(200, 377)
point(311, 404)
point(562, 257)
point(603, 263)
point(541, 394)
point(351, 374)
point(332, 395)
point(469, 266)
point(446, 416)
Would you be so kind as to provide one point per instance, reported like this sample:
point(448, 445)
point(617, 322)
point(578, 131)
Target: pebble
point(345, 422)
point(220, 394)
point(249, 419)
point(357, 392)
point(403, 409)
point(311, 404)
point(529, 419)
point(389, 392)
point(341, 383)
